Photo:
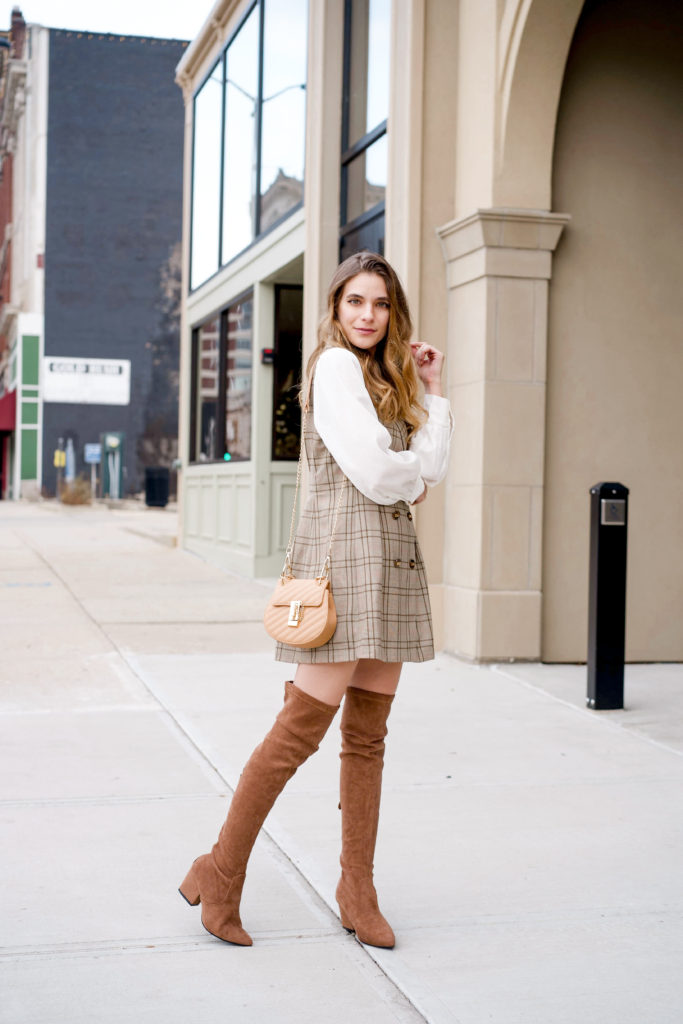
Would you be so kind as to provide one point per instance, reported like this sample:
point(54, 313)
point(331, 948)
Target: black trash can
point(156, 486)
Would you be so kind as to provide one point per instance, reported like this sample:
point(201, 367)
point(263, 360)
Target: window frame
point(220, 61)
point(223, 405)
point(222, 397)
point(257, 234)
point(277, 336)
point(355, 149)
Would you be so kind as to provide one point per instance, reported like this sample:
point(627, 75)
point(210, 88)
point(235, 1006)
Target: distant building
point(91, 148)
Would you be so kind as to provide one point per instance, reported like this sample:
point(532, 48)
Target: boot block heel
point(189, 889)
point(346, 923)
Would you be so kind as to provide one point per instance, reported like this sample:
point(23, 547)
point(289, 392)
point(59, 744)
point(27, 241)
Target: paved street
point(530, 856)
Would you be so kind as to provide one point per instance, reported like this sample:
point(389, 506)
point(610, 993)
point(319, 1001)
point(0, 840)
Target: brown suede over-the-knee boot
point(363, 728)
point(215, 879)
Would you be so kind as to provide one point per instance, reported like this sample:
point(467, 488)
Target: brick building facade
point(100, 135)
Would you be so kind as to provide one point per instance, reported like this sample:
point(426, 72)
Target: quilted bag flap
point(311, 592)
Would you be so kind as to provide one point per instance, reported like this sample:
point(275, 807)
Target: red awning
point(8, 411)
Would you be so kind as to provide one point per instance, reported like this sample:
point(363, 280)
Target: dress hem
point(311, 656)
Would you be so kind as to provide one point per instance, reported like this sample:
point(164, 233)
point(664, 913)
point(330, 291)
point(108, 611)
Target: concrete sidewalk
point(530, 855)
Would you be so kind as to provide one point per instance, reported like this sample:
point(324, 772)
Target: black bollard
point(607, 596)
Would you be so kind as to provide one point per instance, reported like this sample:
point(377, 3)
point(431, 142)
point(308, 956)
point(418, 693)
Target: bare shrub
point(77, 492)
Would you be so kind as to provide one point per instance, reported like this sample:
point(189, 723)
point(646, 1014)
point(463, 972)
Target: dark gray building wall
point(113, 229)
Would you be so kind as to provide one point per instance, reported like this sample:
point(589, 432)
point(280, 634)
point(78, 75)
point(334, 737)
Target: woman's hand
point(422, 497)
point(429, 364)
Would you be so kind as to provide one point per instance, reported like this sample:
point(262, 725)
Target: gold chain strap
point(325, 567)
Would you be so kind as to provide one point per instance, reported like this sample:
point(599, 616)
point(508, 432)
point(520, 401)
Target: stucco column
point(498, 264)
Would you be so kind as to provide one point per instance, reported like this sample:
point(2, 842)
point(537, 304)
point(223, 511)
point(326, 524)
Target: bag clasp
point(296, 613)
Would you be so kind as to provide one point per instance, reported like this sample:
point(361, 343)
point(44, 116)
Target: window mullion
point(259, 110)
point(192, 190)
point(364, 143)
point(222, 412)
point(346, 91)
point(224, 102)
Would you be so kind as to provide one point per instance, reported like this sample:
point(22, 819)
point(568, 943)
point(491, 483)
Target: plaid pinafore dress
point(377, 574)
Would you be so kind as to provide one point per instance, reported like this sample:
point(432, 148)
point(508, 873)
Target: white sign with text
point(86, 381)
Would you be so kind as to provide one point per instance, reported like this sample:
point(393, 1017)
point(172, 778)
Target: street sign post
point(92, 454)
point(59, 464)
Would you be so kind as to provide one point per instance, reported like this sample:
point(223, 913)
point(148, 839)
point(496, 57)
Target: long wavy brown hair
point(389, 371)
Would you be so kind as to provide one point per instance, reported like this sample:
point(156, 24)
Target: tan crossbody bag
point(301, 612)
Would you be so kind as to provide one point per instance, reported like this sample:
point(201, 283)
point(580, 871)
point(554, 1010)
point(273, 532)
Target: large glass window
point(238, 369)
point(283, 110)
point(206, 174)
point(222, 361)
point(286, 407)
point(240, 138)
point(249, 128)
point(364, 125)
point(207, 393)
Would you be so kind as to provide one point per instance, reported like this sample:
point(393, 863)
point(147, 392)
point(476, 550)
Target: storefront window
point(249, 133)
point(238, 372)
point(220, 415)
point(207, 377)
point(364, 128)
point(286, 407)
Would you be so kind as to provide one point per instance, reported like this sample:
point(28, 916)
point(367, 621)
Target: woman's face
point(363, 311)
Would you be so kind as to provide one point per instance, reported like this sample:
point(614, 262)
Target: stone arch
point(534, 40)
point(615, 363)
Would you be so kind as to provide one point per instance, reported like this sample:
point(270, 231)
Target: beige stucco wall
point(615, 356)
point(435, 206)
point(508, 60)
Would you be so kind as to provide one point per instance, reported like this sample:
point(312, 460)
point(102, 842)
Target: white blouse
point(347, 422)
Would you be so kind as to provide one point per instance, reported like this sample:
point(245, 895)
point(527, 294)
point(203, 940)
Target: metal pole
point(607, 596)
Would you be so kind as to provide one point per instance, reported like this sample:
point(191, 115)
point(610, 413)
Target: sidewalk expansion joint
point(159, 944)
point(107, 800)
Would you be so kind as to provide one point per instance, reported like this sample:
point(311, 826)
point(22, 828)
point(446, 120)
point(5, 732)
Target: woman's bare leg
point(326, 682)
point(377, 676)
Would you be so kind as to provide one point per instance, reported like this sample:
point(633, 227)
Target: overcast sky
point(171, 19)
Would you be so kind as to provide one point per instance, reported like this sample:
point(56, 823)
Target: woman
point(372, 451)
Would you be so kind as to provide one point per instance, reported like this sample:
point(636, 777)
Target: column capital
point(502, 228)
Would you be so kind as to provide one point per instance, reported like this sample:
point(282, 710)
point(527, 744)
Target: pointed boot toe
point(227, 931)
point(360, 913)
point(220, 900)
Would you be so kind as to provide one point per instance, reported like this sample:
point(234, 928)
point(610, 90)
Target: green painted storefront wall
point(29, 454)
point(29, 413)
point(30, 359)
